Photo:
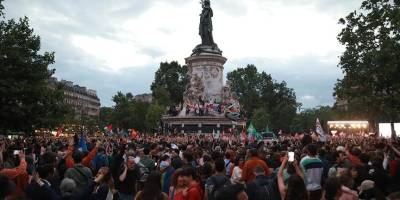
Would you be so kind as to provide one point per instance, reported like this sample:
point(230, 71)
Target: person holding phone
point(18, 174)
point(295, 187)
point(127, 178)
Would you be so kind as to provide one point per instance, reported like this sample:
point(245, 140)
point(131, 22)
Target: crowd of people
point(198, 167)
point(230, 109)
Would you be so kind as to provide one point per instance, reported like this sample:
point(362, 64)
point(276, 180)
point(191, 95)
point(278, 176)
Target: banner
point(134, 134)
point(320, 131)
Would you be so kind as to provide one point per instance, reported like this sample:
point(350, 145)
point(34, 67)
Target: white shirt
point(236, 175)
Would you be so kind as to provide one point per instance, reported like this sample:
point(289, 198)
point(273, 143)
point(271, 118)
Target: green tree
point(105, 116)
point(371, 61)
point(161, 96)
point(153, 117)
point(26, 100)
point(141, 109)
point(260, 119)
point(1, 8)
point(305, 120)
point(123, 115)
point(129, 113)
point(259, 92)
point(173, 78)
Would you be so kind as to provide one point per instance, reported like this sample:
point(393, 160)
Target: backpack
point(143, 172)
point(218, 186)
point(269, 191)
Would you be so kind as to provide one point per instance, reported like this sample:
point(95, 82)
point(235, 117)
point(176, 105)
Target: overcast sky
point(117, 45)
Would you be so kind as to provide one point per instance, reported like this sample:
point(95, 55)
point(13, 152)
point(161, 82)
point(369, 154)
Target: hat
point(67, 187)
point(366, 185)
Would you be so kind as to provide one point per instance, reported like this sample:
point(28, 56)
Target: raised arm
point(394, 149)
point(281, 183)
point(86, 161)
point(298, 169)
point(123, 175)
point(17, 170)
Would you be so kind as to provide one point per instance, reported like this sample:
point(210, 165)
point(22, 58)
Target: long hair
point(296, 189)
point(152, 187)
point(332, 188)
point(175, 175)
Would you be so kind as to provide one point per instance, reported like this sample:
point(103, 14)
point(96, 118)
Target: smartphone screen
point(16, 152)
point(291, 156)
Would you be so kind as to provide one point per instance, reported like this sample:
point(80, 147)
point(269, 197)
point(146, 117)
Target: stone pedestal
point(205, 73)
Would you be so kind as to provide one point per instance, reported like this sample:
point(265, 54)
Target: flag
point(215, 135)
point(253, 134)
point(134, 134)
point(109, 128)
point(82, 144)
point(243, 136)
point(59, 130)
point(320, 131)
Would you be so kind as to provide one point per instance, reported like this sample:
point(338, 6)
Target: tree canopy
point(306, 119)
point(258, 92)
point(371, 60)
point(26, 99)
point(171, 77)
point(153, 117)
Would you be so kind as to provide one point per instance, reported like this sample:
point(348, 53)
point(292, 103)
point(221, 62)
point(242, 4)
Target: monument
point(208, 105)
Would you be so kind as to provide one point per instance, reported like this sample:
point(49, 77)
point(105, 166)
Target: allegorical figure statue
point(205, 29)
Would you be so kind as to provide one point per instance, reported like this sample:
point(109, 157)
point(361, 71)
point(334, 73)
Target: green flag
point(251, 129)
point(252, 133)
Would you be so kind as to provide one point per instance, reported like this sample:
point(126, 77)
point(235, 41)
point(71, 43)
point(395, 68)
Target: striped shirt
point(313, 169)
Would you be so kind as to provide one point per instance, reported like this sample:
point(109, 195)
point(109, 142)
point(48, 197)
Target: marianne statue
point(205, 29)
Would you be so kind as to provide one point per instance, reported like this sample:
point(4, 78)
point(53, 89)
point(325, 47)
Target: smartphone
point(16, 152)
point(291, 156)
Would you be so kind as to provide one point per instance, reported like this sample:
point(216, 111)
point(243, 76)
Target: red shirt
point(195, 192)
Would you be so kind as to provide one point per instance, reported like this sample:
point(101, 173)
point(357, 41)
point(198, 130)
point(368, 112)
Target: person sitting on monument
point(187, 109)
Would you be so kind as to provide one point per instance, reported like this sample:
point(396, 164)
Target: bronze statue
point(205, 29)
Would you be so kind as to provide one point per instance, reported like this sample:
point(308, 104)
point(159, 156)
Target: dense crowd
point(197, 167)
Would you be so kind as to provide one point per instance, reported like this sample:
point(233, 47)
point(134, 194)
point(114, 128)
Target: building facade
point(146, 97)
point(84, 101)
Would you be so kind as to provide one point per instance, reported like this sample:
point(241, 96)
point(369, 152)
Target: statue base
point(206, 49)
point(201, 124)
point(205, 72)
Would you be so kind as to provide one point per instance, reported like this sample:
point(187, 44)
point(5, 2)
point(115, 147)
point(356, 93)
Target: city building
point(84, 101)
point(146, 97)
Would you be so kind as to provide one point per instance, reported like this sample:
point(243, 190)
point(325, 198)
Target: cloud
point(308, 97)
point(117, 45)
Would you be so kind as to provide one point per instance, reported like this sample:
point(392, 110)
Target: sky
point(117, 45)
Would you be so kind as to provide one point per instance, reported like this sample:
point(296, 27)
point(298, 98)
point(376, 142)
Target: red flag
point(134, 134)
point(243, 136)
point(109, 127)
point(59, 130)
